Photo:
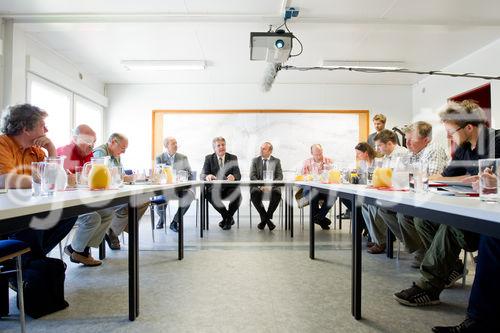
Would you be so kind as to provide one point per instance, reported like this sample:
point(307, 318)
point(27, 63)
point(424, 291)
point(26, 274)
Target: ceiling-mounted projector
point(274, 47)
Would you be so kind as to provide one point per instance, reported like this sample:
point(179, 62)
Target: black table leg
point(290, 220)
point(311, 228)
point(356, 261)
point(390, 243)
point(102, 250)
point(180, 241)
point(133, 272)
point(285, 203)
point(202, 209)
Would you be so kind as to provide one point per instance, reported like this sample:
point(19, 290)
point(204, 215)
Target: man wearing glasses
point(466, 125)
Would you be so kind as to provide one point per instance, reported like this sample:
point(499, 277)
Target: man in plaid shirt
point(431, 155)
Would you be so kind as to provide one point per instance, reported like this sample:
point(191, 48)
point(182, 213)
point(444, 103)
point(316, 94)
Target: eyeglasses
point(455, 131)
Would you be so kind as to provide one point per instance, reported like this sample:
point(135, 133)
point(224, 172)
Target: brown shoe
point(370, 244)
point(86, 261)
point(376, 249)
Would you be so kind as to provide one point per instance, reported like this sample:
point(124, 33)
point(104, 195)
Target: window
point(65, 108)
point(90, 113)
point(57, 102)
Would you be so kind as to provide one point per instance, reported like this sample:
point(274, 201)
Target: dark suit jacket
point(211, 166)
point(256, 172)
point(180, 163)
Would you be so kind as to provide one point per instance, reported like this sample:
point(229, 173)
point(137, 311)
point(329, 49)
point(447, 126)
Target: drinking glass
point(401, 174)
point(37, 169)
point(181, 176)
point(268, 175)
point(419, 177)
point(49, 178)
point(488, 179)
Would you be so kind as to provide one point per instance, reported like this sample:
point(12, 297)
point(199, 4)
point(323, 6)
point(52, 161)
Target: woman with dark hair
point(365, 154)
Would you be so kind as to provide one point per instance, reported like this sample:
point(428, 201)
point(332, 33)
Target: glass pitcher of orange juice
point(169, 174)
point(97, 172)
point(382, 177)
point(334, 176)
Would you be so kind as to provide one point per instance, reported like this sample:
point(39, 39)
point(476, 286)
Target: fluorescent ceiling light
point(164, 65)
point(388, 65)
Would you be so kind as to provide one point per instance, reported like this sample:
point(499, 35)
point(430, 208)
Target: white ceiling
point(96, 35)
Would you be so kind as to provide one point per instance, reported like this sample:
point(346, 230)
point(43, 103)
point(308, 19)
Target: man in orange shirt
point(22, 142)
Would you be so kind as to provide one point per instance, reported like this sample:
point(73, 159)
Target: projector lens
point(279, 43)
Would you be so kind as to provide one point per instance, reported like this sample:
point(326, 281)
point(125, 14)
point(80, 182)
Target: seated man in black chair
point(178, 162)
point(222, 166)
point(260, 165)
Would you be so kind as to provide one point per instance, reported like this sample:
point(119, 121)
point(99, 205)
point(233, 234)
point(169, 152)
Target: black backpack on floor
point(43, 281)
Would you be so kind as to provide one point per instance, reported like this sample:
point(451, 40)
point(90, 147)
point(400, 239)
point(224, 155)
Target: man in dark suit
point(260, 165)
point(222, 166)
point(178, 162)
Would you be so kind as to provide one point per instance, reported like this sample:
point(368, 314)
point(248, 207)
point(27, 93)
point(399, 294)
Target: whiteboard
point(291, 134)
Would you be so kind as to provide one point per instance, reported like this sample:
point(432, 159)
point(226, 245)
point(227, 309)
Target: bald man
point(91, 227)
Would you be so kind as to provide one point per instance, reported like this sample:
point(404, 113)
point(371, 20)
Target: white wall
point(131, 105)
point(430, 94)
point(22, 47)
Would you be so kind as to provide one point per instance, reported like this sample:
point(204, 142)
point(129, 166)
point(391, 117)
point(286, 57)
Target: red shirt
point(73, 157)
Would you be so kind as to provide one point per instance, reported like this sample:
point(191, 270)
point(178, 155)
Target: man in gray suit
point(178, 162)
point(261, 164)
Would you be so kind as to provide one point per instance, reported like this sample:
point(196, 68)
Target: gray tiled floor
point(244, 281)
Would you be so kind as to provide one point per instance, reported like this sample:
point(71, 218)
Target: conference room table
point(218, 185)
point(467, 213)
point(19, 210)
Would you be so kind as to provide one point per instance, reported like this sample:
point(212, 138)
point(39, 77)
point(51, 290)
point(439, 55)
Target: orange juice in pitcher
point(382, 177)
point(99, 177)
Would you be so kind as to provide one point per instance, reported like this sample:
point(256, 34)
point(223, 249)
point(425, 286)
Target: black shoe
point(467, 326)
point(231, 220)
point(261, 225)
point(174, 226)
point(68, 250)
point(416, 296)
point(326, 220)
point(325, 226)
point(271, 225)
point(222, 224)
point(456, 275)
point(227, 226)
point(160, 225)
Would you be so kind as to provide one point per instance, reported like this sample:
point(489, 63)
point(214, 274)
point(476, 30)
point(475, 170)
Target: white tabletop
point(20, 202)
point(466, 206)
point(251, 182)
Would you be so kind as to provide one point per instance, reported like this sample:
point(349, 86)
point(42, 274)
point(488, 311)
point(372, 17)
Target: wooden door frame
point(157, 121)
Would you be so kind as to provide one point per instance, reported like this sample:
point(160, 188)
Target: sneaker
point(85, 260)
point(416, 296)
point(456, 275)
point(467, 326)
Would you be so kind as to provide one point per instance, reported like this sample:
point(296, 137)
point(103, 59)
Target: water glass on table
point(268, 176)
point(36, 178)
point(488, 179)
point(419, 177)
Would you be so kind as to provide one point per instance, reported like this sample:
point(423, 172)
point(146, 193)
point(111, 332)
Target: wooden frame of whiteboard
point(157, 122)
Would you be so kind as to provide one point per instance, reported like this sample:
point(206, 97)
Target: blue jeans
point(43, 241)
point(484, 301)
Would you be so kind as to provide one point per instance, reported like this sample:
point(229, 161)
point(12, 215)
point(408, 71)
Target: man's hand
point(210, 177)
point(230, 178)
point(45, 142)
